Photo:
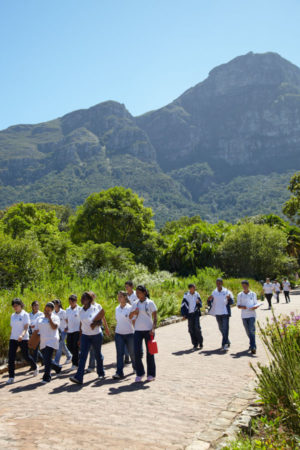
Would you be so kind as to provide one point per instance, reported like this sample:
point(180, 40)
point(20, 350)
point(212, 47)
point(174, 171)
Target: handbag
point(152, 345)
point(34, 341)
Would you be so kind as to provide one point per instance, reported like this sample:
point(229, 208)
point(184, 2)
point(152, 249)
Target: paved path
point(192, 389)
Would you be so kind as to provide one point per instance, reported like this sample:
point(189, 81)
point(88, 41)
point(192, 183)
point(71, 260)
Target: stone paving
point(194, 394)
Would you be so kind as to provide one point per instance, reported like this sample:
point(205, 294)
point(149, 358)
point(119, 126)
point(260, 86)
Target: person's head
point(93, 295)
point(219, 283)
point(86, 300)
point(267, 280)
point(141, 292)
point(284, 279)
point(192, 288)
point(245, 285)
point(57, 304)
point(35, 306)
point(17, 304)
point(123, 298)
point(49, 308)
point(73, 301)
point(129, 287)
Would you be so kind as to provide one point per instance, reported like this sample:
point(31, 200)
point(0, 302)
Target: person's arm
point(107, 331)
point(97, 319)
point(238, 303)
point(154, 318)
point(52, 324)
point(134, 312)
point(66, 329)
point(20, 338)
point(256, 305)
point(199, 301)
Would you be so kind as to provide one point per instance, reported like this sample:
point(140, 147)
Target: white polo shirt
point(124, 324)
point(34, 318)
point(17, 323)
point(219, 304)
point(286, 285)
point(249, 300)
point(277, 287)
point(62, 318)
point(132, 298)
point(268, 288)
point(87, 317)
point(144, 321)
point(48, 336)
point(72, 315)
point(192, 300)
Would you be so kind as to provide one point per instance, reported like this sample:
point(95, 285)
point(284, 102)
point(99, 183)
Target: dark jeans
point(223, 324)
point(37, 355)
point(13, 345)
point(287, 296)
point(249, 325)
point(269, 299)
point(195, 329)
point(49, 363)
point(139, 336)
point(122, 342)
point(86, 342)
point(72, 344)
point(277, 296)
point(92, 360)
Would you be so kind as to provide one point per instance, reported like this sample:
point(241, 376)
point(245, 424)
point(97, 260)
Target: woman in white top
point(277, 289)
point(91, 335)
point(61, 313)
point(286, 289)
point(34, 315)
point(19, 337)
point(145, 312)
point(268, 288)
point(124, 333)
point(48, 329)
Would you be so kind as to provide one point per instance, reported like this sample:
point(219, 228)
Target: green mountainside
point(224, 149)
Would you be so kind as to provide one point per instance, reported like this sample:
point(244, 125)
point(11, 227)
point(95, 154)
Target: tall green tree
point(292, 206)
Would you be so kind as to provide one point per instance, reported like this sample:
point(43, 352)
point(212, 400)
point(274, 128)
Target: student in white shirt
point(19, 337)
point(277, 289)
point(286, 289)
point(268, 288)
point(48, 329)
point(247, 302)
point(33, 316)
point(131, 294)
point(191, 309)
point(123, 333)
point(144, 312)
point(73, 329)
point(61, 313)
point(91, 335)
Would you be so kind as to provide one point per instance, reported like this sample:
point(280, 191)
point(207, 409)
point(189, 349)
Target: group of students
point(78, 331)
point(274, 288)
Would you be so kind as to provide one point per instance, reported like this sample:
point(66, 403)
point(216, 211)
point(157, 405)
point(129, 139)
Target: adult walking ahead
point(247, 302)
point(268, 288)
point(220, 301)
point(191, 309)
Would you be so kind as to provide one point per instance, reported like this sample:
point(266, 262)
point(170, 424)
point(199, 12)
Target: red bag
point(152, 345)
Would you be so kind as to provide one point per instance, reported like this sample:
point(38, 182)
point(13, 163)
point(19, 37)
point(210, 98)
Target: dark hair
point(220, 279)
point(129, 283)
point(92, 294)
point(143, 289)
point(34, 303)
point(17, 301)
point(191, 285)
point(73, 297)
point(50, 305)
point(124, 294)
point(245, 282)
point(56, 302)
point(88, 296)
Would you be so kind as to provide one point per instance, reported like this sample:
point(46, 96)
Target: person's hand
point(66, 329)
point(136, 312)
point(197, 301)
point(20, 338)
point(32, 326)
point(107, 331)
point(78, 343)
point(93, 325)
point(152, 332)
point(228, 297)
point(210, 298)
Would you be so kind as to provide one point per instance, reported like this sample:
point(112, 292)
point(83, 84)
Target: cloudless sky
point(62, 55)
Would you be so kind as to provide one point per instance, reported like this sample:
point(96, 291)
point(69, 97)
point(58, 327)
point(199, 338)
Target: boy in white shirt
point(277, 289)
point(34, 315)
point(73, 329)
point(192, 303)
point(268, 288)
point(286, 289)
point(247, 302)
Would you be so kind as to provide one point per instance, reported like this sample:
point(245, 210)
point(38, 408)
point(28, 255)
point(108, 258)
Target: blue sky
point(62, 55)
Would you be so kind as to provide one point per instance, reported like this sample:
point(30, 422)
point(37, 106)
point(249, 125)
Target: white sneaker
point(74, 368)
point(10, 381)
point(68, 361)
point(36, 372)
point(138, 379)
point(226, 347)
point(89, 370)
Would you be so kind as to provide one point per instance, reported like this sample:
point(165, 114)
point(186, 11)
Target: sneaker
point(226, 347)
point(36, 372)
point(45, 382)
point(74, 367)
point(68, 361)
point(89, 370)
point(150, 378)
point(195, 347)
point(201, 347)
point(116, 376)
point(101, 378)
point(10, 381)
point(253, 351)
point(58, 370)
point(138, 379)
point(75, 380)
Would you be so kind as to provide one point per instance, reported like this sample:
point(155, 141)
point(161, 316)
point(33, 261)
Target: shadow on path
point(184, 352)
point(243, 353)
point(128, 388)
point(217, 351)
point(29, 387)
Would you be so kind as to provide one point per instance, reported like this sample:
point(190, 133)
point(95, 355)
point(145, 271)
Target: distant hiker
point(73, 329)
point(144, 312)
point(219, 302)
point(247, 302)
point(268, 288)
point(286, 289)
point(277, 289)
point(34, 315)
point(19, 337)
point(61, 314)
point(191, 309)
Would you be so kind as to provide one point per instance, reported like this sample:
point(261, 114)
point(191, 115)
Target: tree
point(292, 206)
point(256, 251)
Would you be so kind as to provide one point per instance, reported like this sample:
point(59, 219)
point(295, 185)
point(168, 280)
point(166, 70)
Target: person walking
point(277, 289)
point(286, 289)
point(124, 333)
point(61, 314)
point(48, 329)
point(144, 311)
point(220, 301)
point(131, 294)
point(191, 309)
point(73, 329)
point(19, 337)
point(33, 316)
point(268, 288)
point(91, 335)
point(247, 302)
